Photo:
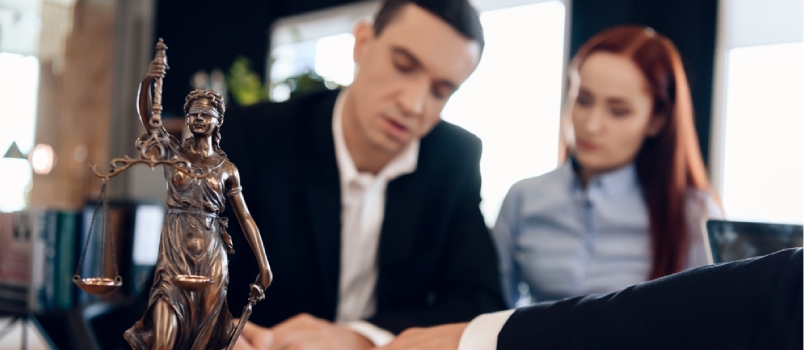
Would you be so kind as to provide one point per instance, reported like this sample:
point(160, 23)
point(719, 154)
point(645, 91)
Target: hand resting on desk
point(302, 331)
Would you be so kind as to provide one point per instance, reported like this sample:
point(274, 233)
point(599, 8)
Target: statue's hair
point(215, 98)
point(217, 101)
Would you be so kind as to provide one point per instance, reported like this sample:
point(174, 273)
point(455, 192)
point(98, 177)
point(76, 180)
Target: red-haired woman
point(628, 203)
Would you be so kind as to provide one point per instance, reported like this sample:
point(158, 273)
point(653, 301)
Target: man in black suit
point(748, 304)
point(368, 203)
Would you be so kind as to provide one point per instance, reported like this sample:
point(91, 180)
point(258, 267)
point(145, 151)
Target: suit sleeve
point(748, 304)
point(467, 283)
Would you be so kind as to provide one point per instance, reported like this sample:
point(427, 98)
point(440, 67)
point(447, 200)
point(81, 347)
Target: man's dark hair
point(459, 14)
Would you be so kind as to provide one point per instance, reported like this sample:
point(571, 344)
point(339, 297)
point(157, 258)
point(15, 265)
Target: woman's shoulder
point(703, 203)
point(550, 181)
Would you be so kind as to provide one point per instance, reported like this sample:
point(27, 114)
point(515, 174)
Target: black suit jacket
point(437, 263)
point(748, 304)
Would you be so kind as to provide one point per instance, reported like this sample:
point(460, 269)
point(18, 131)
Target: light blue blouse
point(564, 240)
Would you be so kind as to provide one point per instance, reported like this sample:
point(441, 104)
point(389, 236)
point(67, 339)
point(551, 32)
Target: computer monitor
point(735, 240)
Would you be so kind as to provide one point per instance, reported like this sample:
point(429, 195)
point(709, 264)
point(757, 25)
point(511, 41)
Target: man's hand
point(301, 332)
point(254, 337)
point(446, 337)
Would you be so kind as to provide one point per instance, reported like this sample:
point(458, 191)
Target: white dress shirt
point(362, 211)
point(481, 333)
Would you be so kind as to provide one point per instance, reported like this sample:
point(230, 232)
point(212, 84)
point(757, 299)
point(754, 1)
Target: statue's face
point(202, 117)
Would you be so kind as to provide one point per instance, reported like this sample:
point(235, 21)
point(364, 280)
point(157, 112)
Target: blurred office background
point(69, 71)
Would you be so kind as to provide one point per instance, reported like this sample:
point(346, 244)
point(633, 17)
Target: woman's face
point(612, 114)
point(202, 118)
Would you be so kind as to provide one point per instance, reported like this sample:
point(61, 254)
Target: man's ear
point(656, 124)
point(364, 35)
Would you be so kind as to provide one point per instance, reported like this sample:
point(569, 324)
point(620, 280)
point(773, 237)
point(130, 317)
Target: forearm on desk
point(481, 333)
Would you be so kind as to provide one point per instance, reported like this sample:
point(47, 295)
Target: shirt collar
point(404, 163)
point(613, 182)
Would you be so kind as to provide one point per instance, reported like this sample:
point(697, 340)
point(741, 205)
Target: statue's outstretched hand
point(256, 293)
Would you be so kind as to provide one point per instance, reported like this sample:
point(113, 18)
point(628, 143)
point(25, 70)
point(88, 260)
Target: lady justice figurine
point(187, 308)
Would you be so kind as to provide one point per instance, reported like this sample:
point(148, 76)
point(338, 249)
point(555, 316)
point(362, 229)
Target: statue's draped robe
point(194, 242)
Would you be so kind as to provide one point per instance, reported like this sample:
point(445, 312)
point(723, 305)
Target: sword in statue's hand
point(255, 295)
point(156, 119)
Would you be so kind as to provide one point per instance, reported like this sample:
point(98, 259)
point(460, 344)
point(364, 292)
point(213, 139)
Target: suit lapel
point(323, 194)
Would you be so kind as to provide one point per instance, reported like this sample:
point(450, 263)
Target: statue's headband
point(203, 105)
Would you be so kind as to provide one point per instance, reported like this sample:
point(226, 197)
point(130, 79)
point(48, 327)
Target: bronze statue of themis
point(187, 308)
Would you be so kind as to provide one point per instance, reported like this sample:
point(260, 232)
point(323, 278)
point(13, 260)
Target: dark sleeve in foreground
point(466, 282)
point(749, 304)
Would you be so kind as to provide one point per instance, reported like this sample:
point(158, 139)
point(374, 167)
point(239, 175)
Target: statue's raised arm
point(149, 105)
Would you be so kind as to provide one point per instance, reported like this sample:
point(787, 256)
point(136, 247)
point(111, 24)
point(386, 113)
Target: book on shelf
point(26, 261)
point(40, 250)
point(16, 248)
point(68, 227)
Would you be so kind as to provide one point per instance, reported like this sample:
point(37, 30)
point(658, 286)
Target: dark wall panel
point(208, 34)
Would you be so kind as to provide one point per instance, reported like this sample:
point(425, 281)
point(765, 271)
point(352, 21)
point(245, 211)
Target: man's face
point(405, 77)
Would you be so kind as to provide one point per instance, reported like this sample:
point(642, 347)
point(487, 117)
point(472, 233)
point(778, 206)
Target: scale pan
point(192, 283)
point(100, 285)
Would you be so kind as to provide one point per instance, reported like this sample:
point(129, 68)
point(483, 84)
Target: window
point(763, 174)
point(759, 149)
point(19, 78)
point(18, 89)
point(512, 102)
point(318, 44)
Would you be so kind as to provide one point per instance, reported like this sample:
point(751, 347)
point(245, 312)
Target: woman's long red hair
point(669, 164)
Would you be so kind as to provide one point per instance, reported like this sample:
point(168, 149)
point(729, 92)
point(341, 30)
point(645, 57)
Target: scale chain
point(91, 227)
